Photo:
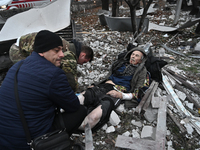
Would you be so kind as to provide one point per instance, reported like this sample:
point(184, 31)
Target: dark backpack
point(153, 65)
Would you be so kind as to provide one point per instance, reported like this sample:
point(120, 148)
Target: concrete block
point(151, 113)
point(148, 132)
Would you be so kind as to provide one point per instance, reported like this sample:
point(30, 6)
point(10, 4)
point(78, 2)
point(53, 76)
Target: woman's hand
point(115, 94)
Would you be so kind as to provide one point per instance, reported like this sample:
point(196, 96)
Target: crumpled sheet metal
point(188, 24)
point(124, 23)
point(194, 121)
point(54, 17)
point(150, 10)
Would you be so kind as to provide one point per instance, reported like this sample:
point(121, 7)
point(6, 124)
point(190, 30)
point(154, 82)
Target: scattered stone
point(135, 134)
point(181, 95)
point(114, 118)
point(151, 113)
point(137, 123)
point(148, 132)
point(110, 129)
point(127, 133)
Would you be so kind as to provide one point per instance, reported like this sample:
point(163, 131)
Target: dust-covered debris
point(108, 44)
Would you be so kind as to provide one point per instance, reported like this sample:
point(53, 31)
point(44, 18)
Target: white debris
point(187, 125)
point(120, 108)
point(190, 105)
point(105, 127)
point(197, 46)
point(161, 52)
point(172, 17)
point(172, 81)
point(192, 83)
point(127, 133)
point(169, 145)
point(168, 132)
point(148, 132)
point(136, 123)
point(166, 35)
point(110, 129)
point(114, 118)
point(162, 23)
point(189, 128)
point(135, 134)
point(181, 95)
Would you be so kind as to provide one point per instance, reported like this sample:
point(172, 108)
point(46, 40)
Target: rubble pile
point(168, 116)
point(176, 124)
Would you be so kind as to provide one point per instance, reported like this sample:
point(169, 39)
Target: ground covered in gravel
point(108, 44)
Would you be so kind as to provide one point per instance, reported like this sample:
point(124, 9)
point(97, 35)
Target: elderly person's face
point(136, 57)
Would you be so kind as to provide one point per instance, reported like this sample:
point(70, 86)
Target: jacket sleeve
point(69, 66)
point(62, 94)
point(139, 80)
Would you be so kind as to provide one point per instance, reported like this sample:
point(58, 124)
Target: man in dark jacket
point(42, 87)
point(74, 53)
point(125, 78)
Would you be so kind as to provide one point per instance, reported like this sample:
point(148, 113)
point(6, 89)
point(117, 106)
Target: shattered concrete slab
point(151, 114)
point(157, 142)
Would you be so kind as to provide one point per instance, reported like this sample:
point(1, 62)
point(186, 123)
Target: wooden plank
point(134, 143)
point(183, 80)
point(177, 86)
point(148, 101)
point(167, 73)
point(142, 102)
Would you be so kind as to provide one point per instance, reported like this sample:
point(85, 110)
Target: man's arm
point(62, 94)
point(69, 66)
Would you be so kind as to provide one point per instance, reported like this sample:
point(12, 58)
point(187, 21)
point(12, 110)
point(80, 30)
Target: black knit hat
point(46, 40)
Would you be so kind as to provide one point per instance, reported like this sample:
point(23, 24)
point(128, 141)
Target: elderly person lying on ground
point(127, 75)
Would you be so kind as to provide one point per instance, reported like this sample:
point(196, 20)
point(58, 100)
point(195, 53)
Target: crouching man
point(42, 87)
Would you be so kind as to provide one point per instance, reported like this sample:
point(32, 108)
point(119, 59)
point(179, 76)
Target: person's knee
point(94, 117)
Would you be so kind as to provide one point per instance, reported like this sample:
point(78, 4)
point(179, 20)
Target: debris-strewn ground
point(107, 44)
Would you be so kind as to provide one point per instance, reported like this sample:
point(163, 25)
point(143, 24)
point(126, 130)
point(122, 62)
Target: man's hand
point(115, 94)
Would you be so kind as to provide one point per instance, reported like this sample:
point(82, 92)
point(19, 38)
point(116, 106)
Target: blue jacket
point(42, 87)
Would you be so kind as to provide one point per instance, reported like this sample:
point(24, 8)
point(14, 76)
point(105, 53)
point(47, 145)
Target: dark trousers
point(70, 121)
